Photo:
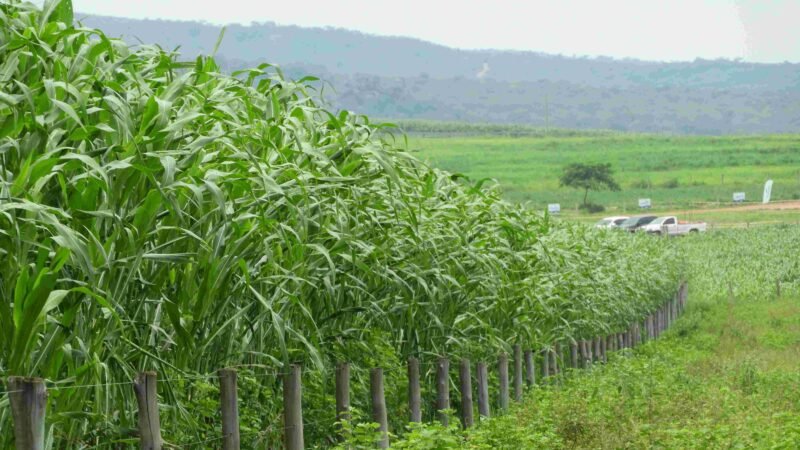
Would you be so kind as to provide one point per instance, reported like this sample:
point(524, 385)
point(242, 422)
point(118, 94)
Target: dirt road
point(773, 206)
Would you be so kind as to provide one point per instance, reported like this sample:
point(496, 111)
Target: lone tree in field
point(589, 176)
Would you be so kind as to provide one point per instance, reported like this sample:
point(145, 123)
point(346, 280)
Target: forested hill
point(396, 77)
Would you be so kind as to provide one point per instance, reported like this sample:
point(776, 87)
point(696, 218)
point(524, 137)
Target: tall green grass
point(159, 214)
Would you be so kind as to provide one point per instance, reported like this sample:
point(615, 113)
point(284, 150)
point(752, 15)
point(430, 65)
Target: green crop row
point(158, 214)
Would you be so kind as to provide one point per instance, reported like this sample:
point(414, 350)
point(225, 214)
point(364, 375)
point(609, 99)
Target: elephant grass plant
point(159, 214)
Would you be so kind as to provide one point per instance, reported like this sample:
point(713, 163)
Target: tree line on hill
point(405, 78)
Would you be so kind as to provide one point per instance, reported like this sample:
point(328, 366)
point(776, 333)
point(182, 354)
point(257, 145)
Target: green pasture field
point(676, 172)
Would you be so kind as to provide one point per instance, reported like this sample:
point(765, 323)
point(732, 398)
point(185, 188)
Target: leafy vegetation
point(587, 177)
point(158, 214)
point(723, 377)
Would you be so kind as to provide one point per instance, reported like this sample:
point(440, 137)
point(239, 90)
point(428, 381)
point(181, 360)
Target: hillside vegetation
point(158, 214)
point(411, 79)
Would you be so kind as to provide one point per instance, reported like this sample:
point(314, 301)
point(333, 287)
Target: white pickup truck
point(671, 226)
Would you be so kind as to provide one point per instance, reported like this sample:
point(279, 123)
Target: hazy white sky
point(755, 30)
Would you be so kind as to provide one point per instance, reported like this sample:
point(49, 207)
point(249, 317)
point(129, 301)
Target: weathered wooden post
point(414, 394)
point(379, 405)
point(342, 391)
point(545, 365)
point(502, 370)
point(554, 359)
point(229, 404)
point(530, 369)
point(293, 408)
point(573, 355)
point(596, 352)
point(442, 389)
point(603, 349)
point(483, 390)
point(146, 387)
point(466, 394)
point(28, 399)
point(517, 373)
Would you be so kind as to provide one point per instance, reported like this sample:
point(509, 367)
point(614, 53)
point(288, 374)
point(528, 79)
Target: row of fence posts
point(28, 396)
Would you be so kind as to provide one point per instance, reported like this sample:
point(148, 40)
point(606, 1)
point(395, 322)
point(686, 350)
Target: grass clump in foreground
point(726, 375)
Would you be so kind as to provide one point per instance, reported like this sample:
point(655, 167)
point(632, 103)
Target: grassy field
point(677, 173)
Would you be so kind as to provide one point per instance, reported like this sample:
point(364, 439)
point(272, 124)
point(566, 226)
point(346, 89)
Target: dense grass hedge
point(159, 214)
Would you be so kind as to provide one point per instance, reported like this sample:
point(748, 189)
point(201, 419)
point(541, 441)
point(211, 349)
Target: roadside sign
point(738, 197)
point(644, 203)
point(554, 208)
point(767, 191)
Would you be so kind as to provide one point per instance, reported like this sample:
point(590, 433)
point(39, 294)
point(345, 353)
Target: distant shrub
point(670, 184)
point(592, 207)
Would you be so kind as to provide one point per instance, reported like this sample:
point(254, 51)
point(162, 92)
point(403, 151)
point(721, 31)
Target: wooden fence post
point(502, 369)
point(530, 369)
point(229, 404)
point(146, 387)
point(667, 315)
point(659, 323)
point(517, 373)
point(466, 394)
point(414, 395)
point(545, 365)
point(379, 405)
point(483, 390)
point(603, 349)
point(293, 408)
point(596, 351)
point(656, 324)
point(442, 389)
point(28, 399)
point(573, 355)
point(343, 391)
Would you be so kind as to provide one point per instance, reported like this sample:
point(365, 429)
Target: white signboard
point(644, 203)
point(554, 208)
point(767, 191)
point(738, 197)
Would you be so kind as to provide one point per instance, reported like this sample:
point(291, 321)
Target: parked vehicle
point(611, 222)
point(634, 223)
point(671, 226)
